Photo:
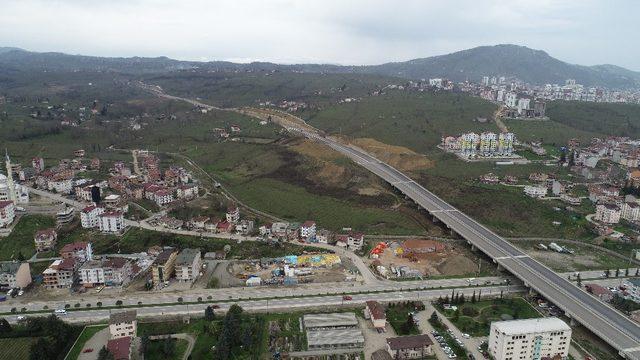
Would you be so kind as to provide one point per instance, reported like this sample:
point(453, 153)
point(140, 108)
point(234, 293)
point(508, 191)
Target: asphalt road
point(609, 324)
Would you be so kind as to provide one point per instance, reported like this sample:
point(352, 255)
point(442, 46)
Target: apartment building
point(163, 266)
point(80, 250)
point(15, 274)
point(608, 213)
point(111, 222)
point(630, 211)
point(374, 311)
point(60, 274)
point(188, 264)
point(529, 339)
point(123, 324)
point(233, 214)
point(89, 216)
point(7, 213)
point(535, 191)
point(308, 230)
point(409, 347)
point(109, 272)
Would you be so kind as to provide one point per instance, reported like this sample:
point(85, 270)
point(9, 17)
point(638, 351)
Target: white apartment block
point(355, 241)
point(111, 222)
point(308, 230)
point(89, 216)
point(523, 105)
point(529, 339)
point(511, 99)
point(7, 213)
point(163, 197)
point(233, 214)
point(488, 143)
point(123, 324)
point(535, 191)
point(608, 213)
point(631, 211)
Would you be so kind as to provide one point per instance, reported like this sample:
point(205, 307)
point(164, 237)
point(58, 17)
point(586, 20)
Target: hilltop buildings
point(486, 144)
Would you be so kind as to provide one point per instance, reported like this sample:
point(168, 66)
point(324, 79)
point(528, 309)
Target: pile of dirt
point(315, 150)
point(399, 157)
point(457, 265)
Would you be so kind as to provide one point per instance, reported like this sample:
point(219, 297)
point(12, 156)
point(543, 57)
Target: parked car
point(465, 335)
point(347, 298)
point(60, 311)
point(87, 350)
point(21, 318)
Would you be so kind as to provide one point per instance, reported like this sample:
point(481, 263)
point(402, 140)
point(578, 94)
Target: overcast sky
point(328, 31)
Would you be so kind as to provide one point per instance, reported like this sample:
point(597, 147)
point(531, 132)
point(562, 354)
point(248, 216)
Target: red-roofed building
point(81, 251)
point(45, 239)
point(60, 274)
point(375, 312)
point(225, 227)
point(233, 214)
point(120, 348)
point(90, 216)
point(163, 197)
point(600, 292)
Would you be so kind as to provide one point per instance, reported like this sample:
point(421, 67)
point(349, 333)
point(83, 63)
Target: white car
point(60, 311)
point(465, 335)
point(21, 318)
point(21, 292)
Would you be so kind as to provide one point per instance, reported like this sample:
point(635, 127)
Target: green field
point(550, 132)
point(20, 241)
point(15, 348)
point(414, 120)
point(398, 318)
point(475, 318)
point(601, 118)
point(86, 334)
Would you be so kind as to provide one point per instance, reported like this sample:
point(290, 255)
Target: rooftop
point(122, 317)
point(80, 245)
point(9, 267)
point(329, 320)
point(187, 256)
point(527, 326)
point(409, 342)
point(334, 337)
point(120, 348)
point(377, 311)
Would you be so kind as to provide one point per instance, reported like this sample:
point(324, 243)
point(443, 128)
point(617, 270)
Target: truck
point(542, 246)
point(556, 247)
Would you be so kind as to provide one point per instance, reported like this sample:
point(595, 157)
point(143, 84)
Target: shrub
point(469, 311)
point(99, 303)
point(119, 303)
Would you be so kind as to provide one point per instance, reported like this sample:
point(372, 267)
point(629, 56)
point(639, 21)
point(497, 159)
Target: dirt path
point(498, 119)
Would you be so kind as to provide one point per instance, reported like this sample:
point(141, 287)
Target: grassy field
point(16, 348)
point(86, 334)
point(602, 118)
point(414, 120)
point(20, 241)
point(550, 132)
point(398, 318)
point(475, 318)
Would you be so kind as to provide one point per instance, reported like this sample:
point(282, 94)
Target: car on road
point(21, 318)
point(60, 311)
point(465, 335)
point(347, 298)
point(87, 350)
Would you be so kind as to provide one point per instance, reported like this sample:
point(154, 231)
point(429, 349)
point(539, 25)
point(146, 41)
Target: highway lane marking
point(512, 257)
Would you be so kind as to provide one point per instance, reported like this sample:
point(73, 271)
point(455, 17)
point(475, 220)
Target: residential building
point(37, 163)
point(308, 230)
point(323, 236)
point(60, 274)
point(233, 214)
point(409, 347)
point(14, 274)
point(529, 339)
point(89, 216)
point(188, 264)
point(111, 222)
point(65, 215)
point(163, 266)
point(120, 348)
point(355, 241)
point(81, 251)
point(7, 213)
point(375, 312)
point(633, 289)
point(608, 213)
point(600, 292)
point(110, 272)
point(187, 191)
point(630, 211)
point(123, 324)
point(244, 227)
point(163, 197)
point(535, 191)
point(45, 239)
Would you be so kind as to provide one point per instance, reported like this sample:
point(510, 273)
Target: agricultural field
point(16, 348)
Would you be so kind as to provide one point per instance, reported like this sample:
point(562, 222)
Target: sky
point(347, 32)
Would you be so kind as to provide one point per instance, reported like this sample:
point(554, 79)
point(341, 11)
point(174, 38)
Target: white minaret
point(10, 185)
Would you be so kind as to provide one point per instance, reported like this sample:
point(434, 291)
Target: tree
point(434, 317)
point(5, 327)
point(41, 349)
point(637, 271)
point(209, 314)
point(461, 300)
point(104, 354)
point(578, 280)
point(144, 343)
point(626, 272)
point(20, 257)
point(617, 272)
point(607, 273)
point(473, 297)
point(456, 315)
point(168, 347)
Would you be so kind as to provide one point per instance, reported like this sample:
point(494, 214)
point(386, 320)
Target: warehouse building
point(333, 331)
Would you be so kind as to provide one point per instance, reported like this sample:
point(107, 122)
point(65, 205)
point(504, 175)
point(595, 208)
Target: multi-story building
point(7, 213)
point(38, 164)
point(523, 105)
point(375, 312)
point(535, 191)
point(630, 211)
point(488, 143)
point(60, 274)
point(163, 266)
point(81, 251)
point(163, 197)
point(187, 191)
point(188, 265)
point(123, 324)
point(110, 272)
point(15, 274)
point(90, 216)
point(529, 339)
point(308, 230)
point(469, 143)
point(505, 143)
point(355, 241)
point(511, 99)
point(45, 239)
point(608, 213)
point(111, 222)
point(233, 214)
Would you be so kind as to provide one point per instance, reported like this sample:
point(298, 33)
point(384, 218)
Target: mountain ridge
point(530, 65)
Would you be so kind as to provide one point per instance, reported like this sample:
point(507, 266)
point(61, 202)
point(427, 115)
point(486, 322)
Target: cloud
point(331, 31)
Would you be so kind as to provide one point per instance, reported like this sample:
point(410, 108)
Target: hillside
point(533, 66)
